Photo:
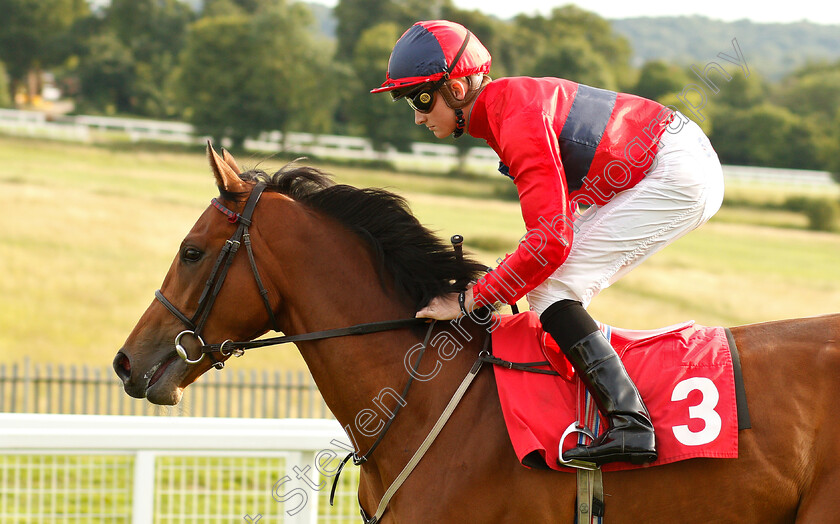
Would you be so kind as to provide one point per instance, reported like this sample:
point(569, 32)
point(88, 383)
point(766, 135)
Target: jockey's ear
point(459, 88)
point(226, 178)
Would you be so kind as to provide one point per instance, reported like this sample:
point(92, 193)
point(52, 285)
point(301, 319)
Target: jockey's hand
point(446, 307)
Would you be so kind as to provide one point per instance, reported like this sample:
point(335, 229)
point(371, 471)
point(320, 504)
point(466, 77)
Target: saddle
point(686, 373)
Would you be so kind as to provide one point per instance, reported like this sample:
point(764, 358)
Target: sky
point(817, 11)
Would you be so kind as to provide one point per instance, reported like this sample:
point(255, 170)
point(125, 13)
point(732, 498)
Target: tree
point(5, 97)
point(813, 93)
point(658, 78)
point(376, 115)
point(214, 86)
point(301, 77)
point(149, 27)
point(106, 75)
point(575, 59)
point(127, 58)
point(742, 92)
point(542, 42)
point(214, 8)
point(764, 135)
point(241, 75)
point(28, 29)
point(682, 89)
point(154, 33)
point(832, 163)
point(356, 16)
point(231, 7)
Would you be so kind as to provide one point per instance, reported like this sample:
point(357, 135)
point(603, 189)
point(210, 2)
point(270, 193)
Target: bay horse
point(324, 256)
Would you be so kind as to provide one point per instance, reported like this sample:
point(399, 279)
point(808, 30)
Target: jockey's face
point(441, 118)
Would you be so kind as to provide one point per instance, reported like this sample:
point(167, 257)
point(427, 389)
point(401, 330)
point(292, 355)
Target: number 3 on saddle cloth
point(686, 374)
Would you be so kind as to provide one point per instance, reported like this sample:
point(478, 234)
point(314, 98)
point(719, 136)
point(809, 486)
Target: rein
point(359, 329)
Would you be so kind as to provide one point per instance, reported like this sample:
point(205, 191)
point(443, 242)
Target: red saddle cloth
point(684, 373)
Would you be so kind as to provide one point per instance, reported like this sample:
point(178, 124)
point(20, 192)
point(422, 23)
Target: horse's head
point(193, 305)
point(311, 256)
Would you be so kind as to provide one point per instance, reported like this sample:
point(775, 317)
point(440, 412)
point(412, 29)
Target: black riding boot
point(629, 436)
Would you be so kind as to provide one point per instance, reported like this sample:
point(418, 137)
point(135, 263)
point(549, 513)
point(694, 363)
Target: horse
point(324, 256)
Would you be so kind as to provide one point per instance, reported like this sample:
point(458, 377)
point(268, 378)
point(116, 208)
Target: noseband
point(213, 286)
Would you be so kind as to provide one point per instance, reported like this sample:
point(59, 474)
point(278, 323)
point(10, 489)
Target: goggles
point(423, 100)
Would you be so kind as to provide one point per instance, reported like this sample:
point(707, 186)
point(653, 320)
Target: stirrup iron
point(575, 463)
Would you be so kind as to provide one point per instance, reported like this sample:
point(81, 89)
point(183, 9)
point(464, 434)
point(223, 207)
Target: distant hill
point(772, 50)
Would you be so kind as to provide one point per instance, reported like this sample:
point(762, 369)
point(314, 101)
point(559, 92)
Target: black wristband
point(462, 299)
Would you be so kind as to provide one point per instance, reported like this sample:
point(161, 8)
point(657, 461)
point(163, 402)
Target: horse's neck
point(363, 381)
point(331, 282)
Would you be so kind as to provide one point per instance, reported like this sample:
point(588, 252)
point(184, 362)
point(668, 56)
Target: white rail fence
point(431, 157)
point(88, 129)
point(75, 469)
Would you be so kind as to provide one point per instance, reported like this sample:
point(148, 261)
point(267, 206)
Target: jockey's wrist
point(475, 298)
point(465, 301)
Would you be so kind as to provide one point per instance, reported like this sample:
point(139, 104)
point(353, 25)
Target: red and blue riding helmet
point(433, 51)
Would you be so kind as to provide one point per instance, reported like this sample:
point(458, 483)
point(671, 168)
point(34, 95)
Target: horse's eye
point(191, 254)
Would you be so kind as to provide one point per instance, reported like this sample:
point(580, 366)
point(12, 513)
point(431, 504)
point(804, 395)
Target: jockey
point(604, 180)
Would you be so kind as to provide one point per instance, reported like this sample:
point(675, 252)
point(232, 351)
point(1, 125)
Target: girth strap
point(530, 367)
point(590, 496)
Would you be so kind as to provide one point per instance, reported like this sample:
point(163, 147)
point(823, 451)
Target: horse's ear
point(228, 158)
point(226, 177)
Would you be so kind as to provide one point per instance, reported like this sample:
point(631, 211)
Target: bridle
point(213, 286)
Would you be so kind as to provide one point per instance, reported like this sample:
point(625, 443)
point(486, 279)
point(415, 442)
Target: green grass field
point(88, 232)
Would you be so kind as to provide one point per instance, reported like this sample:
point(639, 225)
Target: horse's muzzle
point(122, 366)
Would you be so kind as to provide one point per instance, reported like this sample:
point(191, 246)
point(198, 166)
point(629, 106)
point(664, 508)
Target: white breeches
point(682, 191)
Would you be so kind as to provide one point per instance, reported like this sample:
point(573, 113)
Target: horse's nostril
point(122, 366)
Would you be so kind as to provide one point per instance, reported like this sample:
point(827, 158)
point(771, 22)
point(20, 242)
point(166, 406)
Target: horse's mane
point(420, 265)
